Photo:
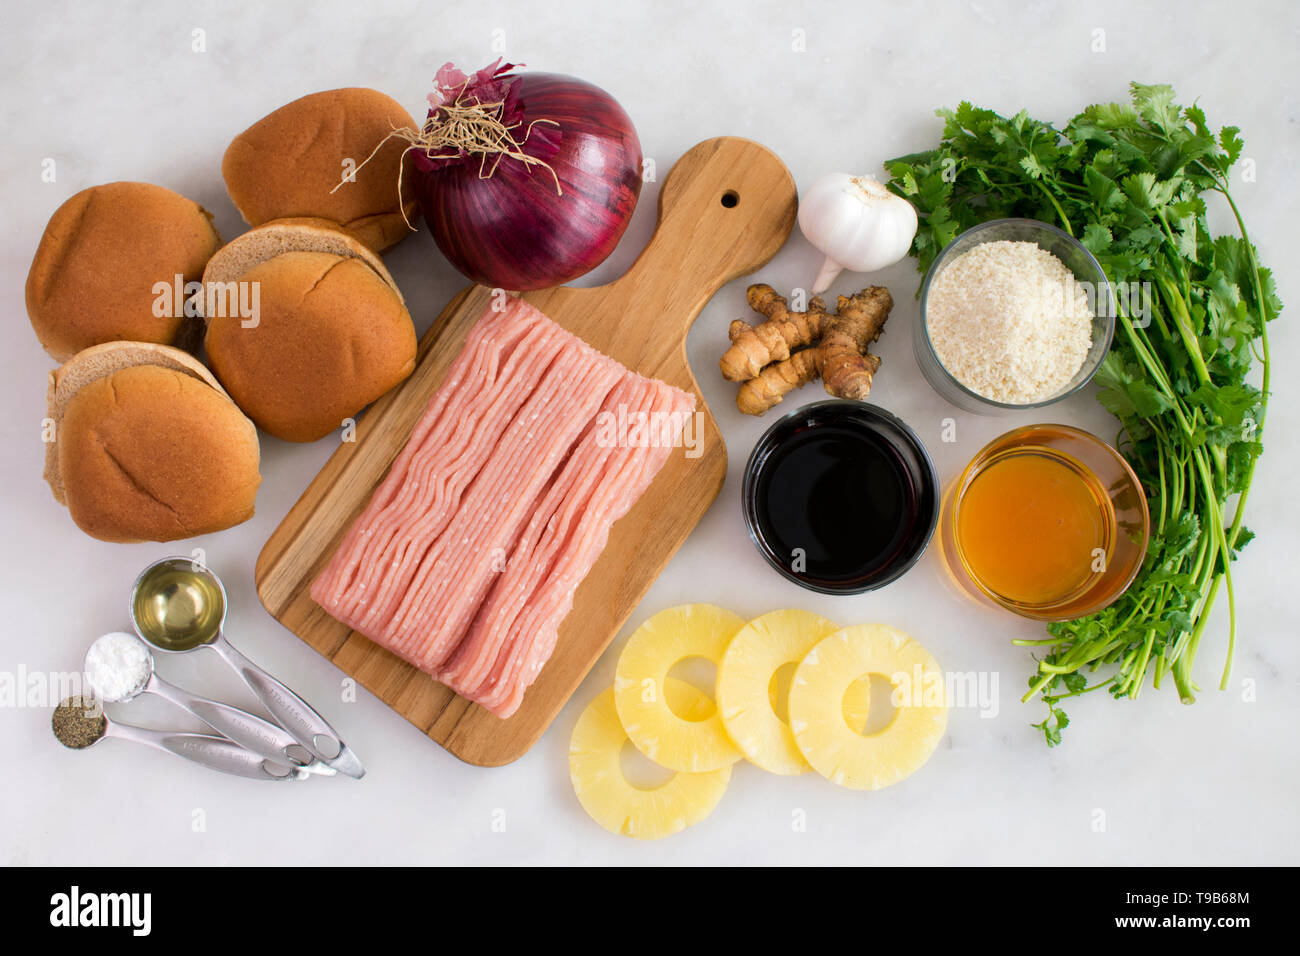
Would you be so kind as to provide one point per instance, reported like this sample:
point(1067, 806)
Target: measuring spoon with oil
point(210, 750)
point(247, 730)
point(178, 605)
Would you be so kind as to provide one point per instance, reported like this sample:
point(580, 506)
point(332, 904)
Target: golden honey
point(1033, 527)
point(1047, 521)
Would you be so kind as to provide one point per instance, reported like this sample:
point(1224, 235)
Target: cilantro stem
point(1262, 305)
point(1183, 322)
point(1065, 220)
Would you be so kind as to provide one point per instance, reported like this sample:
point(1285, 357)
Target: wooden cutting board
point(725, 209)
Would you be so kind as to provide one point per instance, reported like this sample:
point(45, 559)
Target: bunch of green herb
point(1131, 183)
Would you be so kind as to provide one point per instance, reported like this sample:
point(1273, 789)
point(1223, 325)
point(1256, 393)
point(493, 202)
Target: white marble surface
point(116, 92)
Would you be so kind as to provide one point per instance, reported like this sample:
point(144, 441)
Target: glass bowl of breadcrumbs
point(1015, 314)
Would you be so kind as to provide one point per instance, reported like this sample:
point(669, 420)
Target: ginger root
point(791, 349)
point(846, 366)
point(768, 387)
point(753, 347)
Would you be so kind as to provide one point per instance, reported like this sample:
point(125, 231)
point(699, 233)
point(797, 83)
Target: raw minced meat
point(465, 560)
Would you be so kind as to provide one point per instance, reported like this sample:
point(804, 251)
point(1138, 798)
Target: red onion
point(549, 205)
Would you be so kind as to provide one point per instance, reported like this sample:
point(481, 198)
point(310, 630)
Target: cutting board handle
point(725, 209)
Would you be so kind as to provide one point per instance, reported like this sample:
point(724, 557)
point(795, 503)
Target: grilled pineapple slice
point(672, 635)
point(605, 793)
point(817, 712)
point(747, 696)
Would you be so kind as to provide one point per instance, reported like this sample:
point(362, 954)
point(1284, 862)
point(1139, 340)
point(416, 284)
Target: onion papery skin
point(511, 230)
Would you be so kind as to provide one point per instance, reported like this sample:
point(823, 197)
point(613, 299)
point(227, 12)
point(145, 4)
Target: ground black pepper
point(79, 722)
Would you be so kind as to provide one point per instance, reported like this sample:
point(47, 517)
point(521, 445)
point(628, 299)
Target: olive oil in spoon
point(179, 605)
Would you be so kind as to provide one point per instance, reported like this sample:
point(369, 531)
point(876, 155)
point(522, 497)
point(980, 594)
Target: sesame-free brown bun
point(92, 279)
point(147, 445)
point(331, 336)
point(290, 235)
point(286, 164)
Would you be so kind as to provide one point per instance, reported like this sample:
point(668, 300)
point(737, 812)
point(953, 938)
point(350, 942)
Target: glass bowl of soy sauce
point(840, 497)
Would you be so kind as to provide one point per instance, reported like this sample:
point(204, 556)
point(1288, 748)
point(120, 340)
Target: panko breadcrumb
point(1010, 321)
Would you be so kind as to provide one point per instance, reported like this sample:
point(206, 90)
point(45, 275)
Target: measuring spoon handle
point(216, 753)
point(249, 731)
point(300, 719)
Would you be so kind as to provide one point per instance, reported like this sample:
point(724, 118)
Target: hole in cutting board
point(730, 199)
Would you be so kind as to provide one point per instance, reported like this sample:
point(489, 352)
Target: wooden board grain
point(725, 209)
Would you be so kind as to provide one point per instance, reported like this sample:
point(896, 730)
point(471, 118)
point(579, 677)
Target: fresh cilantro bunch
point(1131, 181)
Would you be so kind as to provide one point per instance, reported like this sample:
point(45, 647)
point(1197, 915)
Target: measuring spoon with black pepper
point(80, 723)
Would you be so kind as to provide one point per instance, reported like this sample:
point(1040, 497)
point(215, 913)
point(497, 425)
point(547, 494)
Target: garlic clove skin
point(856, 223)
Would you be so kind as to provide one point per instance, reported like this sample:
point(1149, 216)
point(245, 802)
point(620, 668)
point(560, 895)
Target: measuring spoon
point(178, 605)
point(247, 730)
point(210, 750)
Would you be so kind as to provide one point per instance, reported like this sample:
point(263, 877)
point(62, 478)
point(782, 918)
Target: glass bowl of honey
point(1047, 521)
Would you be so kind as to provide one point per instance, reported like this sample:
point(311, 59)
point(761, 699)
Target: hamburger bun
point(332, 333)
point(287, 164)
point(290, 235)
point(148, 447)
point(92, 279)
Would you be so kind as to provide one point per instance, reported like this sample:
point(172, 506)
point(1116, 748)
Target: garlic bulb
point(856, 223)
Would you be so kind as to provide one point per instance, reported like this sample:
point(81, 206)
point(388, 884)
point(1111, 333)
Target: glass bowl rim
point(929, 475)
point(968, 473)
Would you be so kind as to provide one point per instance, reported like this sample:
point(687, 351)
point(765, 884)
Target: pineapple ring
point(594, 768)
point(745, 703)
point(688, 746)
point(839, 752)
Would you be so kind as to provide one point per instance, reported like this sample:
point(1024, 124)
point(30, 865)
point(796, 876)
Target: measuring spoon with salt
point(178, 605)
point(210, 750)
point(119, 668)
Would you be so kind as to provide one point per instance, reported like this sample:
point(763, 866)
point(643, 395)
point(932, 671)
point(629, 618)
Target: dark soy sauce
point(840, 500)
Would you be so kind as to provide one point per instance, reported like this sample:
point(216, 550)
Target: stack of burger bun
point(331, 336)
point(92, 279)
point(288, 164)
point(149, 447)
point(301, 323)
